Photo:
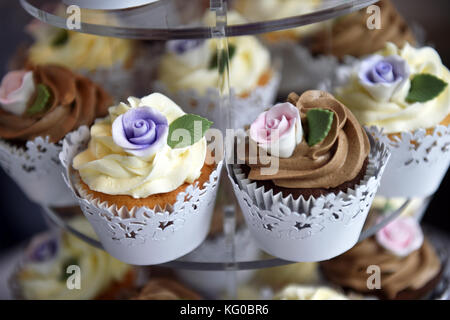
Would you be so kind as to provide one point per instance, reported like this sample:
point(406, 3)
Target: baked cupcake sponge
point(153, 201)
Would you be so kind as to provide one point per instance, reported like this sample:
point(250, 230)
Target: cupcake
point(121, 65)
point(265, 10)
point(305, 273)
point(300, 70)
point(45, 271)
point(408, 264)
point(403, 94)
point(310, 175)
point(189, 73)
point(314, 55)
point(166, 289)
point(298, 292)
point(415, 208)
point(350, 35)
point(38, 107)
point(148, 195)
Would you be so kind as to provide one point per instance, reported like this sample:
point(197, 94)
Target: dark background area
point(20, 218)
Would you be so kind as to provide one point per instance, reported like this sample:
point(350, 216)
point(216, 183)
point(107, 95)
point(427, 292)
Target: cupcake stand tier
point(374, 223)
point(173, 19)
point(178, 19)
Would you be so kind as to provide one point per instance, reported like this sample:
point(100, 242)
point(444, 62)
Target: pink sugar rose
point(278, 130)
point(16, 88)
point(402, 236)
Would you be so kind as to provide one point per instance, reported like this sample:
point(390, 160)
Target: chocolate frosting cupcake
point(336, 163)
point(166, 289)
point(67, 101)
point(407, 277)
point(350, 35)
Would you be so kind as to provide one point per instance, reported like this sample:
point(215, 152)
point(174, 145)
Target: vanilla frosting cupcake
point(38, 107)
point(192, 64)
point(129, 159)
point(313, 58)
point(383, 88)
point(189, 73)
point(77, 51)
point(298, 292)
point(265, 10)
point(144, 167)
point(304, 273)
point(121, 65)
point(403, 93)
point(43, 273)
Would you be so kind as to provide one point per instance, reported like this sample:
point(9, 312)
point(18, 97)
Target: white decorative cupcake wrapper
point(243, 110)
point(313, 229)
point(419, 160)
point(144, 236)
point(301, 70)
point(37, 171)
point(418, 163)
point(213, 283)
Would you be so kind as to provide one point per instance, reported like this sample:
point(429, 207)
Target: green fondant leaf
point(214, 64)
point(319, 125)
point(60, 38)
point(425, 87)
point(41, 101)
point(187, 130)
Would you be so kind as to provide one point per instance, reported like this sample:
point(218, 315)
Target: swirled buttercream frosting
point(76, 50)
point(128, 152)
point(299, 292)
point(388, 107)
point(192, 64)
point(398, 274)
point(338, 158)
point(166, 289)
point(44, 276)
point(56, 102)
point(351, 36)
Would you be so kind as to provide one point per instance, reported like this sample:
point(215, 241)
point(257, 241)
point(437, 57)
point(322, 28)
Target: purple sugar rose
point(182, 46)
point(43, 248)
point(383, 76)
point(141, 131)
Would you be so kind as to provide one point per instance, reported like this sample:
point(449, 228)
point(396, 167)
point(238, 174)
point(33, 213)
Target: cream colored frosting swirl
point(46, 281)
point(397, 115)
point(397, 274)
point(105, 167)
point(337, 159)
point(298, 292)
point(264, 10)
point(80, 51)
point(191, 70)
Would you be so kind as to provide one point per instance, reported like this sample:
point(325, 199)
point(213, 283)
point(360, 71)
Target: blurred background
point(21, 219)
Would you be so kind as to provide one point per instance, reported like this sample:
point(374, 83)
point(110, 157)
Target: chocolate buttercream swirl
point(74, 101)
point(337, 159)
point(350, 35)
point(166, 289)
point(398, 274)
